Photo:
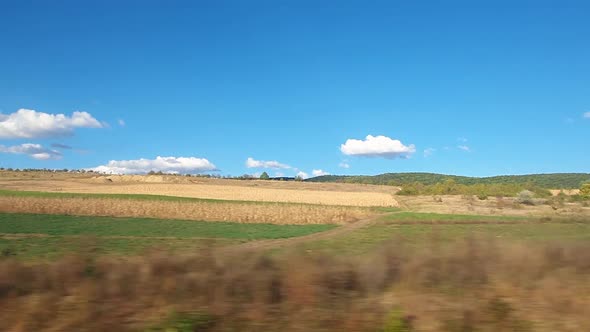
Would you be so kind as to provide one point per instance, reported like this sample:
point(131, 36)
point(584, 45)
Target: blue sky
point(218, 82)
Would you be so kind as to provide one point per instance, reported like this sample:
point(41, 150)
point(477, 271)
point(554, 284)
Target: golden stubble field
point(315, 202)
point(237, 201)
point(300, 214)
point(253, 190)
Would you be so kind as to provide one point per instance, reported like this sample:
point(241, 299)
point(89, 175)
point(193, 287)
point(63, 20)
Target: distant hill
point(547, 181)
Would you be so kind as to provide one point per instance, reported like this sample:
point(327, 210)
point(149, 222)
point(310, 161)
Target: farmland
point(216, 189)
point(164, 253)
point(30, 235)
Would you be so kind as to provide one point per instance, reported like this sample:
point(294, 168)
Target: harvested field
point(240, 193)
point(243, 212)
point(234, 190)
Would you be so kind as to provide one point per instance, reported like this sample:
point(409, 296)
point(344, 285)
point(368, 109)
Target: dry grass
point(456, 204)
point(261, 191)
point(475, 285)
point(568, 192)
point(206, 211)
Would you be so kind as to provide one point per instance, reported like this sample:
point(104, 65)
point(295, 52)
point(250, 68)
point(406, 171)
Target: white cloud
point(586, 115)
point(319, 172)
point(160, 164)
point(252, 163)
point(344, 165)
point(121, 122)
point(279, 174)
point(302, 175)
point(26, 123)
point(464, 148)
point(35, 151)
point(428, 152)
point(377, 146)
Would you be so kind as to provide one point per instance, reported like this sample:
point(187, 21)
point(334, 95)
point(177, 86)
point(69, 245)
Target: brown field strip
point(205, 211)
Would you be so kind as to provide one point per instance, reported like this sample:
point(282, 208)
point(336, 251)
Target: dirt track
point(280, 243)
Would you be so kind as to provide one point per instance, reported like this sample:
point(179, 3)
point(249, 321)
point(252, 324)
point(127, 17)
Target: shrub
point(585, 190)
point(526, 197)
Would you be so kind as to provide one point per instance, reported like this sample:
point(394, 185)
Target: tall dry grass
point(206, 211)
point(474, 285)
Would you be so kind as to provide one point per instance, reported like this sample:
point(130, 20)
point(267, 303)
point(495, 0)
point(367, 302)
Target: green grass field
point(415, 217)
point(421, 229)
point(32, 235)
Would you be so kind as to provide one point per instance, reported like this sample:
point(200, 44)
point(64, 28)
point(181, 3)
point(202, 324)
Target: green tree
point(585, 190)
point(264, 176)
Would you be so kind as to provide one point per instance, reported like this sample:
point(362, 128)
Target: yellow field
point(206, 211)
point(259, 191)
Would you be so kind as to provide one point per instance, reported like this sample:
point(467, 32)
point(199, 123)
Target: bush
point(482, 197)
point(526, 197)
point(585, 190)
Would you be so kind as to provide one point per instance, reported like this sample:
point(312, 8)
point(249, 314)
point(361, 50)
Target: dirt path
point(281, 243)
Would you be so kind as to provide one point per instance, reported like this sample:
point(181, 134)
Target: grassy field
point(447, 218)
point(423, 229)
point(31, 235)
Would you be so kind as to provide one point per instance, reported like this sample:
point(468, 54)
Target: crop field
point(31, 235)
point(166, 207)
point(258, 191)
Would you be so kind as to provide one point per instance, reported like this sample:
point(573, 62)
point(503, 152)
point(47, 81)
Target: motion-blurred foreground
point(475, 284)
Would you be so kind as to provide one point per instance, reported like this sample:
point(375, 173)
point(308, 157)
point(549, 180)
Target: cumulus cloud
point(35, 151)
point(302, 174)
point(319, 172)
point(160, 164)
point(464, 148)
point(252, 163)
point(26, 123)
point(344, 165)
point(428, 152)
point(377, 146)
point(586, 115)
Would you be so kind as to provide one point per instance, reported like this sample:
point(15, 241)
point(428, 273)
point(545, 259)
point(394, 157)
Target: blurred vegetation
point(473, 284)
point(546, 181)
